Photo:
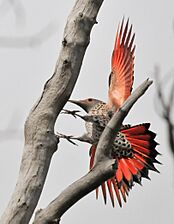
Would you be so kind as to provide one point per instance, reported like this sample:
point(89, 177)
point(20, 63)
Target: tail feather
point(123, 193)
point(117, 192)
point(139, 165)
point(119, 174)
point(131, 169)
point(136, 130)
point(109, 182)
point(126, 172)
point(92, 155)
point(96, 191)
point(126, 189)
point(103, 186)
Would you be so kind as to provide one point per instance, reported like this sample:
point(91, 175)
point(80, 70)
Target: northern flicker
point(134, 146)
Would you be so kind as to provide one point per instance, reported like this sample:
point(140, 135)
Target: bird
point(134, 147)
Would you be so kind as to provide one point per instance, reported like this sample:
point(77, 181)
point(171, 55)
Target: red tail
point(131, 169)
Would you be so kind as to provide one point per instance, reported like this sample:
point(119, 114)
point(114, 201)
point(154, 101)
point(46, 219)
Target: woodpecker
point(134, 147)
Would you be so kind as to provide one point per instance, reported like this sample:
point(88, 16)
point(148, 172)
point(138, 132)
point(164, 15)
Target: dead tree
point(40, 140)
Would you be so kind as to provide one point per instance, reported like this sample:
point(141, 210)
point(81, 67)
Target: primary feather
point(122, 74)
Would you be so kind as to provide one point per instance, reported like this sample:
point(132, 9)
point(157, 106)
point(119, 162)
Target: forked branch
point(104, 167)
point(40, 140)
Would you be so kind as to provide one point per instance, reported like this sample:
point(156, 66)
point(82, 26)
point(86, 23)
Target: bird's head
point(86, 104)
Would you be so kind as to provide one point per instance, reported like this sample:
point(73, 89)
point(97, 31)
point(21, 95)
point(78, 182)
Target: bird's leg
point(74, 113)
point(67, 137)
point(70, 138)
point(84, 138)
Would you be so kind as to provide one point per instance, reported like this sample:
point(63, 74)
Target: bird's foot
point(67, 137)
point(70, 138)
point(74, 113)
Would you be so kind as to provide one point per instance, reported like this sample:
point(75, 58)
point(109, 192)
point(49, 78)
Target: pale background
point(23, 72)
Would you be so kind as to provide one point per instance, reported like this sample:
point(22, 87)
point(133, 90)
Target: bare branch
point(103, 169)
point(25, 41)
point(166, 106)
point(17, 7)
point(159, 93)
point(19, 11)
point(34, 40)
point(75, 192)
point(40, 140)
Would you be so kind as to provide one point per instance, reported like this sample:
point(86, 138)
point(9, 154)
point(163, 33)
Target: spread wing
point(121, 77)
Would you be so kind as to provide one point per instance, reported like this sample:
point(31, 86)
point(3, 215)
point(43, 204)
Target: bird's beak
point(74, 101)
point(80, 103)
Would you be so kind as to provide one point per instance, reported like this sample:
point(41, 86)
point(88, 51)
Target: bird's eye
point(89, 99)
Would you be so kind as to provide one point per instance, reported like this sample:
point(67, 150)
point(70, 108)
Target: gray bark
point(40, 141)
point(53, 212)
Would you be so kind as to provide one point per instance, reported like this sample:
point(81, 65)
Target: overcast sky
point(24, 69)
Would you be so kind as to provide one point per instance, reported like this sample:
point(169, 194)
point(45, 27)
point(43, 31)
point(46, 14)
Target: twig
point(18, 9)
point(166, 106)
point(34, 40)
